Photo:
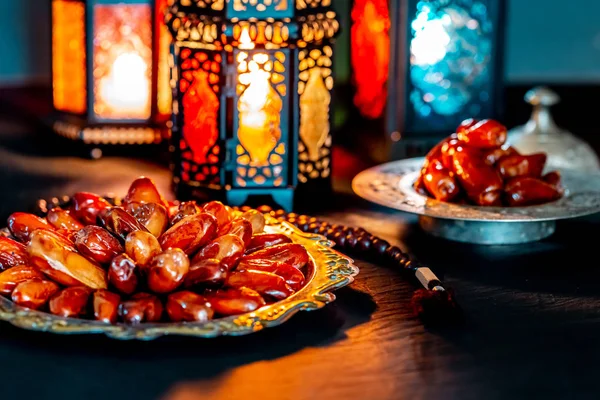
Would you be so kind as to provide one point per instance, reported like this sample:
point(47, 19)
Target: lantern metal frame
point(214, 26)
point(95, 130)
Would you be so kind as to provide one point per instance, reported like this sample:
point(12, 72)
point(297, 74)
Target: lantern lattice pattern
point(252, 105)
point(111, 82)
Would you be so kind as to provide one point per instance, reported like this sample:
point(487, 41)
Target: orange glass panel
point(164, 95)
point(68, 56)
point(122, 61)
point(314, 114)
point(370, 55)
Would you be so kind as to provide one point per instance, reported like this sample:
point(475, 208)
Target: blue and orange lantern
point(252, 94)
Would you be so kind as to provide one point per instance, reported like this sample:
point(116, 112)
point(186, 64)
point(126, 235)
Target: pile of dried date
point(147, 260)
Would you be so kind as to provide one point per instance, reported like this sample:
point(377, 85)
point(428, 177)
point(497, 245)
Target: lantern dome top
point(269, 23)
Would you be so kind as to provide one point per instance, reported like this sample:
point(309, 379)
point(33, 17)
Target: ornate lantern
point(110, 73)
point(253, 83)
point(426, 65)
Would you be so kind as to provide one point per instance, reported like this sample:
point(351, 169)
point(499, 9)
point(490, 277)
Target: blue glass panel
point(260, 9)
point(451, 63)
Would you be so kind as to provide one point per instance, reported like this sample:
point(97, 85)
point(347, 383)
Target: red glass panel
point(370, 55)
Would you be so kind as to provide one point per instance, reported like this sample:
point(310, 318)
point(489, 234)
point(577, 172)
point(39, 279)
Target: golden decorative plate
point(329, 270)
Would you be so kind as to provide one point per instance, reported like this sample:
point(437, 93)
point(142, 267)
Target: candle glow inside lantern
point(110, 73)
point(253, 81)
point(426, 65)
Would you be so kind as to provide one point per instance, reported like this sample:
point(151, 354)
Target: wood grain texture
point(533, 316)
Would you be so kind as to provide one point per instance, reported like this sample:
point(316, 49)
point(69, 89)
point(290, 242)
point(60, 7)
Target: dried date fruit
point(63, 264)
point(122, 274)
point(218, 210)
point(484, 134)
point(141, 247)
point(526, 191)
point(264, 283)
point(227, 249)
point(12, 253)
point(142, 307)
point(185, 209)
point(293, 276)
point(257, 220)
point(554, 179)
point(22, 224)
point(106, 306)
point(63, 220)
point(492, 156)
point(70, 302)
point(34, 293)
point(480, 181)
point(517, 165)
point(448, 150)
point(10, 278)
point(239, 227)
point(86, 206)
point(290, 253)
point(97, 244)
point(120, 223)
point(234, 301)
point(439, 181)
point(143, 190)
point(190, 233)
point(153, 216)
point(188, 306)
point(263, 240)
point(167, 270)
point(210, 272)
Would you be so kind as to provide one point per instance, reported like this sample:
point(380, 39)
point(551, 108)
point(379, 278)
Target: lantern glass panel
point(450, 62)
point(370, 55)
point(122, 61)
point(260, 8)
point(261, 122)
point(315, 84)
point(68, 56)
point(163, 79)
point(200, 88)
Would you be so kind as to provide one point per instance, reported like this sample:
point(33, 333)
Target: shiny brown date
point(34, 293)
point(290, 253)
point(526, 191)
point(209, 273)
point(143, 190)
point(448, 149)
point(122, 274)
point(70, 302)
point(439, 181)
point(10, 278)
point(492, 156)
point(293, 276)
point(484, 134)
point(263, 240)
point(554, 179)
point(239, 227)
point(167, 270)
point(186, 209)
point(63, 220)
point(64, 264)
point(219, 211)
point(264, 283)
point(190, 233)
point(188, 306)
point(227, 249)
point(257, 219)
point(120, 223)
point(234, 301)
point(516, 165)
point(97, 244)
point(12, 253)
point(141, 247)
point(106, 306)
point(153, 216)
point(22, 224)
point(86, 206)
point(480, 181)
point(142, 307)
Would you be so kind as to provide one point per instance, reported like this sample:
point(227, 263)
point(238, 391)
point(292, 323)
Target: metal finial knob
point(541, 95)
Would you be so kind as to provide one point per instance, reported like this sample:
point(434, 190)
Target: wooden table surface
point(532, 315)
